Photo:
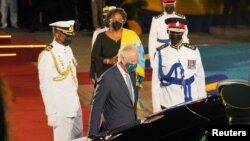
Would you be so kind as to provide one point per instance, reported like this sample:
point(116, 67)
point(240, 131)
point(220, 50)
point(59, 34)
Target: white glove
point(52, 120)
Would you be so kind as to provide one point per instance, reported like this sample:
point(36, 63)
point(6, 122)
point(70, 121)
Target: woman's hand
point(110, 61)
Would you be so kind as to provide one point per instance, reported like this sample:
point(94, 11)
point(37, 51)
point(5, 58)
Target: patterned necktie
point(129, 85)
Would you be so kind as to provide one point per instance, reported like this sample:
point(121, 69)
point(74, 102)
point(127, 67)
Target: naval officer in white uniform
point(58, 84)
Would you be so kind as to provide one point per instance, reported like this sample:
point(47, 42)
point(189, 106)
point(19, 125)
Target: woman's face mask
point(169, 9)
point(67, 40)
point(116, 25)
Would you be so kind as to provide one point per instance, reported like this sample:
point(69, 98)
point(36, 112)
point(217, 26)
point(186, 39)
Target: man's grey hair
point(125, 51)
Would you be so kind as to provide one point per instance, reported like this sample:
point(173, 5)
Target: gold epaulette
point(48, 47)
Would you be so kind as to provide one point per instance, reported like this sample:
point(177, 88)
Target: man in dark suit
point(115, 96)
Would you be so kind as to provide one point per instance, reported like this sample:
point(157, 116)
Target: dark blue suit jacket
point(112, 100)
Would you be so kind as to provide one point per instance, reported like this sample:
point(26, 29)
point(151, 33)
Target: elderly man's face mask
point(130, 65)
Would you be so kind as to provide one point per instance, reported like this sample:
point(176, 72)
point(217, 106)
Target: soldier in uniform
point(58, 84)
point(178, 74)
point(157, 34)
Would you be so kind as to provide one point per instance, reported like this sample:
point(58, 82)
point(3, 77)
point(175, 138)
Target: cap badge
point(177, 24)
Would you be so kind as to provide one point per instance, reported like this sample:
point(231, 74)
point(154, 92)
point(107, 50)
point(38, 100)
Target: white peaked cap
point(63, 24)
point(67, 27)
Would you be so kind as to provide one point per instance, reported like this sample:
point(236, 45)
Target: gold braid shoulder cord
point(63, 74)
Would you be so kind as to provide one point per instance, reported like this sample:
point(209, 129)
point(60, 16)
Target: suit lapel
point(121, 82)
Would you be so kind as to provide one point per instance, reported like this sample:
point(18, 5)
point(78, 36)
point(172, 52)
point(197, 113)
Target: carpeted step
point(21, 49)
point(5, 38)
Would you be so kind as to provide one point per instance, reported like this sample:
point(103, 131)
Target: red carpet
point(29, 120)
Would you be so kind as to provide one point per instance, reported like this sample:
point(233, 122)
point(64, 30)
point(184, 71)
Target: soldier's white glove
point(52, 120)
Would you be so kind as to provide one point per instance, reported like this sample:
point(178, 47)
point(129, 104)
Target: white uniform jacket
point(58, 81)
point(193, 86)
point(158, 33)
